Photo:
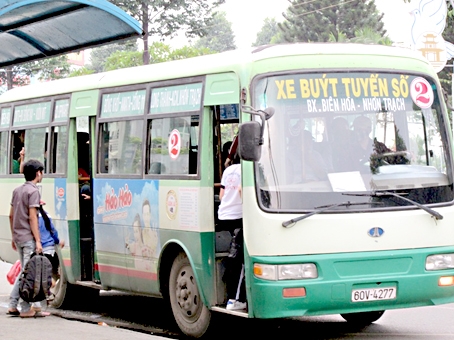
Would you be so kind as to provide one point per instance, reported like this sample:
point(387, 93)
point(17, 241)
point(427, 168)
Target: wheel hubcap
point(187, 293)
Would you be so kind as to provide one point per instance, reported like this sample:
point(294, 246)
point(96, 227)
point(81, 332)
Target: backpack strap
point(44, 282)
point(46, 219)
point(38, 274)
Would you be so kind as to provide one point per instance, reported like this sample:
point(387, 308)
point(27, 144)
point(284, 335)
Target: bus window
point(121, 147)
point(3, 152)
point(35, 142)
point(59, 142)
point(173, 145)
point(18, 138)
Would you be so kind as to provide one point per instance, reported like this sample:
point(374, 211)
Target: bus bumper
point(348, 285)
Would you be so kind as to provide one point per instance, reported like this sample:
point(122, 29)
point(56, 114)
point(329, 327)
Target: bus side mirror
point(249, 141)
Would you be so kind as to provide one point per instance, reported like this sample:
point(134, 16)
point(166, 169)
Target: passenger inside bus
point(305, 164)
point(361, 145)
point(18, 164)
point(17, 151)
point(157, 168)
point(339, 145)
point(230, 216)
point(83, 156)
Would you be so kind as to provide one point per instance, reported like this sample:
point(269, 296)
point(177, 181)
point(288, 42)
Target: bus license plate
point(374, 294)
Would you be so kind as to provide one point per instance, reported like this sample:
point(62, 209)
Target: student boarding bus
point(347, 180)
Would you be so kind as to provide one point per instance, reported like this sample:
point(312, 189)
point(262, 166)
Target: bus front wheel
point(191, 315)
point(363, 318)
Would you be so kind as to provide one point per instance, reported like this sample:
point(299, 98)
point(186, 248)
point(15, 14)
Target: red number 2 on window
point(422, 93)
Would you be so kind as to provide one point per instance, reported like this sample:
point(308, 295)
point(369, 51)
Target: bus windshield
point(338, 133)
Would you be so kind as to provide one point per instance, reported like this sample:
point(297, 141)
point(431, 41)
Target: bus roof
point(231, 61)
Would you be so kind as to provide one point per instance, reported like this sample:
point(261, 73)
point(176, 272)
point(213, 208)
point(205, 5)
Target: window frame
point(50, 125)
point(146, 117)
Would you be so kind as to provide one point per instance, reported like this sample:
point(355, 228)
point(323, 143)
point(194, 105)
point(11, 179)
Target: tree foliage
point(446, 74)
point(81, 72)
point(44, 70)
point(123, 59)
point(164, 18)
point(219, 36)
point(159, 52)
point(189, 52)
point(367, 35)
point(317, 21)
point(99, 55)
point(268, 34)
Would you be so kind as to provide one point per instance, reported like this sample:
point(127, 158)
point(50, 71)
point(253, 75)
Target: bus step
point(89, 284)
point(242, 313)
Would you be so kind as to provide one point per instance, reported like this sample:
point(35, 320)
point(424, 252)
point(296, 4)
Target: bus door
point(226, 118)
point(84, 167)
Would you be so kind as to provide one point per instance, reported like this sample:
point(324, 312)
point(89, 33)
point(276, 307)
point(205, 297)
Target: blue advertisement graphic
point(60, 199)
point(60, 204)
point(126, 216)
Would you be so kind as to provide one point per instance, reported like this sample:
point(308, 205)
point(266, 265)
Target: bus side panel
point(71, 252)
point(130, 232)
point(126, 232)
point(199, 247)
point(6, 251)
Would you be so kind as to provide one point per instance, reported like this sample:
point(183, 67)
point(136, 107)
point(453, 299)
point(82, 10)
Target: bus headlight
point(285, 271)
point(440, 261)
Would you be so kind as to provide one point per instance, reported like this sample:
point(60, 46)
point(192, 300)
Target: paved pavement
point(54, 326)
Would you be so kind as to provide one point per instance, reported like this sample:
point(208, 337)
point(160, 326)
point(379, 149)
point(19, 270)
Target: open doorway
point(84, 161)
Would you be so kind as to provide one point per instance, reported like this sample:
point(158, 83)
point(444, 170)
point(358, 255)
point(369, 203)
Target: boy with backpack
point(23, 219)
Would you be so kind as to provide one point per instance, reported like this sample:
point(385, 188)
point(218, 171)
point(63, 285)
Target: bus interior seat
point(157, 168)
point(223, 239)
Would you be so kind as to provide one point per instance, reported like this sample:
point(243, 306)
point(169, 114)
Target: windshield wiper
point(321, 209)
point(435, 214)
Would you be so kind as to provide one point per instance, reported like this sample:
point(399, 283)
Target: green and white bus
point(347, 180)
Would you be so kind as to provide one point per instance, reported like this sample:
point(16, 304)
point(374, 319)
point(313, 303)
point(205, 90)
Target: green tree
point(268, 34)
point(123, 59)
point(49, 68)
point(81, 72)
point(189, 52)
point(99, 55)
point(164, 19)
point(43, 69)
point(445, 75)
point(219, 36)
point(362, 36)
point(316, 21)
point(159, 52)
point(369, 36)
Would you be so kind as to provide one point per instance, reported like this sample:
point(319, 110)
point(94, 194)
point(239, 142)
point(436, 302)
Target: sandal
point(14, 312)
point(36, 315)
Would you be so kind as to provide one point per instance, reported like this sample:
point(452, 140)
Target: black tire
point(59, 291)
point(67, 295)
point(191, 315)
point(363, 318)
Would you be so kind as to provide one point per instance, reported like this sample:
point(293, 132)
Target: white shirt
point(231, 207)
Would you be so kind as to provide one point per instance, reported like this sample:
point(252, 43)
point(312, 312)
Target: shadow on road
point(153, 316)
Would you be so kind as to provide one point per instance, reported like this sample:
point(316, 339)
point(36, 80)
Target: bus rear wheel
point(191, 315)
point(363, 318)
